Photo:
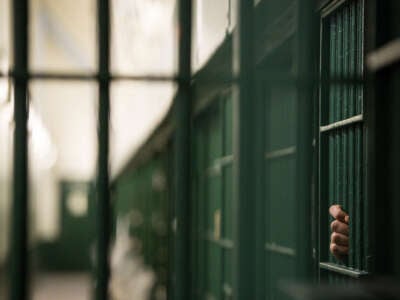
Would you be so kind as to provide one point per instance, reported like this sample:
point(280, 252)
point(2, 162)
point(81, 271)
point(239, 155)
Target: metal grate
point(21, 75)
point(341, 128)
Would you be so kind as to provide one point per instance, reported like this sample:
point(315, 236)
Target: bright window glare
point(136, 110)
point(68, 111)
point(143, 37)
point(63, 36)
point(44, 152)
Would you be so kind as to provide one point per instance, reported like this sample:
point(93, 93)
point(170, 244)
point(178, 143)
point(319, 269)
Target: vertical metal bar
point(326, 175)
point(261, 196)
point(103, 191)
point(222, 108)
point(331, 117)
point(306, 51)
point(243, 180)
point(182, 153)
point(339, 104)
point(352, 28)
point(359, 178)
point(364, 197)
point(375, 146)
point(19, 237)
point(345, 105)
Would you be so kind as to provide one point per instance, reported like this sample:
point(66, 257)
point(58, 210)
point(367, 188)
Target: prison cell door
point(342, 137)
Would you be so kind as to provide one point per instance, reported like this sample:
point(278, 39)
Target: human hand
point(340, 232)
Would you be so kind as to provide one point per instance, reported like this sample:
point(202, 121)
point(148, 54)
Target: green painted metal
point(142, 198)
point(212, 201)
point(244, 110)
point(280, 185)
point(306, 52)
point(342, 179)
point(288, 165)
point(182, 154)
point(102, 185)
point(19, 287)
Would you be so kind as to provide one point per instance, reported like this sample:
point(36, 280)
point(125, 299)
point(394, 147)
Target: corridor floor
point(62, 286)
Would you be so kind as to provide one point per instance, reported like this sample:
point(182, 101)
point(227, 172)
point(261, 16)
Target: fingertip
point(333, 225)
point(337, 212)
point(333, 248)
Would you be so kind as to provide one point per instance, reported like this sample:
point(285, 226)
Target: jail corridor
point(199, 149)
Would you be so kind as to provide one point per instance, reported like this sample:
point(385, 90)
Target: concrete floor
point(62, 286)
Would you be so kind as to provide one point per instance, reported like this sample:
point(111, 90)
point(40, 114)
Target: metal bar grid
point(342, 143)
point(20, 74)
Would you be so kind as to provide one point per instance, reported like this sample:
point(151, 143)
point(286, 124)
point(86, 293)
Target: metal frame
point(305, 59)
point(321, 132)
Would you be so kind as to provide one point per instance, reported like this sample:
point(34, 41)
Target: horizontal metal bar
point(223, 243)
point(331, 7)
point(343, 123)
point(270, 77)
point(219, 163)
point(384, 56)
point(342, 270)
point(280, 153)
point(274, 247)
point(89, 76)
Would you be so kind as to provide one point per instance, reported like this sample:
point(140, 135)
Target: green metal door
point(342, 135)
point(212, 201)
point(76, 231)
point(77, 227)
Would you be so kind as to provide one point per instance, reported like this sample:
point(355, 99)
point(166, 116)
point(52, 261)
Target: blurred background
point(63, 116)
point(231, 132)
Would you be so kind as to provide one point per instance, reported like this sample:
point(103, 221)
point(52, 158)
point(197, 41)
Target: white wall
point(212, 21)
